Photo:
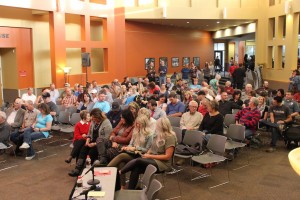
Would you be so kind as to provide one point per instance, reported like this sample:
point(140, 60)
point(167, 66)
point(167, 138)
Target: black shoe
point(74, 173)
point(103, 161)
point(68, 160)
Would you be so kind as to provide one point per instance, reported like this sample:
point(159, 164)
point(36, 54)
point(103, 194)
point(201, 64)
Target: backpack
point(183, 149)
point(292, 134)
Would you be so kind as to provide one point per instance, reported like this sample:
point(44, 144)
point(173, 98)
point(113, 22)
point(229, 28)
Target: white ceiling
point(201, 24)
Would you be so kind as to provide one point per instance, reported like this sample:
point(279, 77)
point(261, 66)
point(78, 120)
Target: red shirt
point(202, 110)
point(232, 68)
point(297, 97)
point(229, 90)
point(151, 91)
point(80, 129)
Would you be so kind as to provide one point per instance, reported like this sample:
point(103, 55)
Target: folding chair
point(216, 147)
point(72, 110)
point(75, 117)
point(150, 194)
point(3, 149)
point(228, 119)
point(178, 133)
point(63, 122)
point(191, 138)
point(236, 136)
point(175, 121)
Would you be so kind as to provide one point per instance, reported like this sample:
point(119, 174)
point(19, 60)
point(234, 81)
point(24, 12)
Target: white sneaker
point(24, 146)
point(30, 157)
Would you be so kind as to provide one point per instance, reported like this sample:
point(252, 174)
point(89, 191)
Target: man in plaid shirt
point(70, 99)
point(249, 117)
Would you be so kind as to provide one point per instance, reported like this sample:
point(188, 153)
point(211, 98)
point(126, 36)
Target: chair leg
point(228, 180)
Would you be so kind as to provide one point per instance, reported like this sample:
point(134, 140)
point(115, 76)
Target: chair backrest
point(64, 117)
point(229, 119)
point(193, 138)
point(154, 187)
point(120, 101)
point(216, 143)
point(175, 121)
point(75, 117)
point(72, 109)
point(178, 133)
point(148, 176)
point(60, 108)
point(236, 132)
point(234, 111)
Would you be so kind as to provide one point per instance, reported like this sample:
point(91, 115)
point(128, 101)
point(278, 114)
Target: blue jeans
point(29, 135)
point(162, 80)
point(275, 136)
point(248, 133)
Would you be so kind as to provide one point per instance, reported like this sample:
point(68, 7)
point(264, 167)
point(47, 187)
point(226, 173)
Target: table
point(107, 178)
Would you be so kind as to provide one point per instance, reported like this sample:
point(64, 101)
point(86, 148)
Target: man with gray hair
point(249, 117)
point(4, 130)
point(15, 114)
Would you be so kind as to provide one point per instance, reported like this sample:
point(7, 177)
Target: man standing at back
point(163, 69)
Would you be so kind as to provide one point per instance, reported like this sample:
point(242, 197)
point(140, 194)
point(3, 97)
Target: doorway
point(219, 55)
point(8, 78)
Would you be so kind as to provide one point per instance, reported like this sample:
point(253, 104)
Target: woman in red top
point(80, 134)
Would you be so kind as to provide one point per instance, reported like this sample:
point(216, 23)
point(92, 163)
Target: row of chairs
point(216, 147)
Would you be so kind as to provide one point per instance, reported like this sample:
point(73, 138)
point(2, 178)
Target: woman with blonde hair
point(159, 155)
point(140, 143)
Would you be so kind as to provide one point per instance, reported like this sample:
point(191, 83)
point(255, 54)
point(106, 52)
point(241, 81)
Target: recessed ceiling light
point(218, 22)
point(207, 25)
point(187, 22)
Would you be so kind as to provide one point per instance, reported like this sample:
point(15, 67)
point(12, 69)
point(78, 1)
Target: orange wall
point(20, 38)
point(149, 40)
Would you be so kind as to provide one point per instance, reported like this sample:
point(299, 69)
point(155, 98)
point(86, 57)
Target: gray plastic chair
point(175, 121)
point(191, 138)
point(216, 147)
point(148, 176)
point(228, 119)
point(178, 133)
point(154, 187)
point(73, 120)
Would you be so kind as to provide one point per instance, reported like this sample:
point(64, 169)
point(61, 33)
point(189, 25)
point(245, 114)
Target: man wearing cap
point(108, 97)
point(175, 108)
point(29, 95)
point(94, 95)
point(101, 103)
point(52, 106)
point(155, 112)
point(114, 116)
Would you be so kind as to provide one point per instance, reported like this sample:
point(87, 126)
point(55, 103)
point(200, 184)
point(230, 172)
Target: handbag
point(183, 149)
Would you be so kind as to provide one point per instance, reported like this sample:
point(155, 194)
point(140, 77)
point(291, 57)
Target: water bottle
point(88, 162)
point(79, 181)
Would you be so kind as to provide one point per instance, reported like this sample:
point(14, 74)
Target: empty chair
point(75, 117)
point(148, 176)
point(228, 119)
point(175, 121)
point(63, 120)
point(216, 147)
point(60, 108)
point(234, 111)
point(150, 194)
point(72, 109)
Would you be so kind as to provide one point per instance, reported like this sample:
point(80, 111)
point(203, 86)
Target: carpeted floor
point(269, 176)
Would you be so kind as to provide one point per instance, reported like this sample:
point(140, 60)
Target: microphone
point(85, 192)
point(96, 163)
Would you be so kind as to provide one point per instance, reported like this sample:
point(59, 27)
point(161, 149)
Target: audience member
point(155, 111)
point(54, 93)
point(141, 141)
point(15, 114)
point(263, 108)
point(100, 128)
point(39, 129)
point(161, 103)
point(236, 98)
point(70, 99)
point(246, 93)
point(202, 103)
point(28, 95)
point(169, 84)
point(238, 75)
point(81, 130)
point(163, 70)
point(214, 83)
point(86, 104)
point(175, 108)
point(228, 88)
point(101, 103)
point(159, 155)
point(264, 88)
point(195, 87)
point(212, 122)
point(29, 119)
point(134, 108)
point(291, 104)
point(249, 117)
point(114, 115)
point(108, 148)
point(5, 130)
point(108, 97)
point(225, 106)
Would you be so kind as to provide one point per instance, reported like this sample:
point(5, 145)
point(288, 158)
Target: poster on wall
point(163, 61)
point(149, 63)
point(175, 62)
point(196, 61)
point(185, 60)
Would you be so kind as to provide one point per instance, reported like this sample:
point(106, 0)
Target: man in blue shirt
point(175, 108)
point(101, 103)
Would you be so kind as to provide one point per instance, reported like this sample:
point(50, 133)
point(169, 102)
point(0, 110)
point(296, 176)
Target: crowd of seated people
point(126, 124)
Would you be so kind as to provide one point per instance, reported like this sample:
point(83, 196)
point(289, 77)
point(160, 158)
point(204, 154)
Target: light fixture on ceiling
point(218, 22)
point(187, 22)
